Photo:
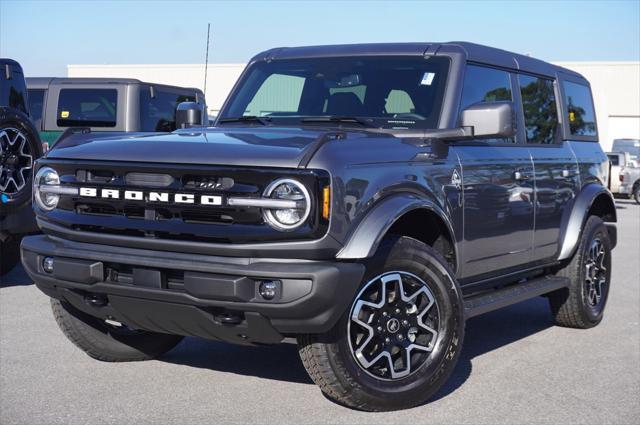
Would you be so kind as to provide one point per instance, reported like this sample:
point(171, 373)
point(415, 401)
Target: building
point(616, 88)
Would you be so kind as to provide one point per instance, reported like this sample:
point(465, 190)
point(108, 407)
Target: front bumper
point(187, 294)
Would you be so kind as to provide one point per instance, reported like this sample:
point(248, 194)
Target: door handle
point(521, 176)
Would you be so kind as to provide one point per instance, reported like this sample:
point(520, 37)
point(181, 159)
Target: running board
point(486, 302)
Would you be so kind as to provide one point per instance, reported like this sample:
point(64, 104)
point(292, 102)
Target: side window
point(581, 115)
point(539, 107)
point(399, 102)
point(36, 103)
point(614, 159)
point(279, 92)
point(87, 108)
point(13, 91)
point(158, 113)
point(486, 85)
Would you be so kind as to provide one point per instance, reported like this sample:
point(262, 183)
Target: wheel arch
point(405, 215)
point(595, 200)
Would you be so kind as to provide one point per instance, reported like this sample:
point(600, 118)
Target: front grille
point(172, 220)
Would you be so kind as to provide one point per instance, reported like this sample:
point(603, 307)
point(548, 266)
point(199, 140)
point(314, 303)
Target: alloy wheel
point(595, 272)
point(16, 160)
point(393, 325)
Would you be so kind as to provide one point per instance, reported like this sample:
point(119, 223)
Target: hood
point(267, 147)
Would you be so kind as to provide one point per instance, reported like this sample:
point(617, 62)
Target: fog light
point(268, 289)
point(47, 264)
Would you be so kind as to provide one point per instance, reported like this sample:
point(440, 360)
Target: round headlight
point(287, 218)
point(46, 177)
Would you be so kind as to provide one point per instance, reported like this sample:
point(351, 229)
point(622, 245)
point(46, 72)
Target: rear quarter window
point(580, 112)
point(158, 113)
point(87, 108)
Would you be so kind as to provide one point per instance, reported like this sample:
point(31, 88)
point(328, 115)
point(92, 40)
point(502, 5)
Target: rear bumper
point(187, 294)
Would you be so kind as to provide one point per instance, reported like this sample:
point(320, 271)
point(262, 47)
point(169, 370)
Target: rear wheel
point(582, 304)
point(400, 340)
point(636, 193)
point(106, 342)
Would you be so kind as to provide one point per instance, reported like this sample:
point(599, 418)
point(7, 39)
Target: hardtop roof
point(45, 82)
point(473, 52)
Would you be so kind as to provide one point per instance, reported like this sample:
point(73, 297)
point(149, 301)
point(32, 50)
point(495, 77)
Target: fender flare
point(573, 224)
point(364, 240)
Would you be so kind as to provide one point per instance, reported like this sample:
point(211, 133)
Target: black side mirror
point(490, 119)
point(189, 114)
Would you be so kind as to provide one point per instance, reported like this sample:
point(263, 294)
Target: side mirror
point(490, 119)
point(189, 114)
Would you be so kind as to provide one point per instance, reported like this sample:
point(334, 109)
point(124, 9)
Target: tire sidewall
point(594, 228)
point(408, 255)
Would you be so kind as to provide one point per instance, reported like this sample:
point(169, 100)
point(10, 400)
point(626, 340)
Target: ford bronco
point(363, 199)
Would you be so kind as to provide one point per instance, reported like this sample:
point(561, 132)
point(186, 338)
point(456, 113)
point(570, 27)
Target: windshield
point(387, 92)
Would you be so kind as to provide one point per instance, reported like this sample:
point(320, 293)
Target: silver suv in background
point(106, 105)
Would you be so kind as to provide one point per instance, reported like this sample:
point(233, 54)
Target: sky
point(45, 36)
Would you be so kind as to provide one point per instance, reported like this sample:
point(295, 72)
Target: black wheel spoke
point(393, 325)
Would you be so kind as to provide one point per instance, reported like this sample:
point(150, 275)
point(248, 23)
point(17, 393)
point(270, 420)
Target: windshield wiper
point(339, 119)
point(246, 118)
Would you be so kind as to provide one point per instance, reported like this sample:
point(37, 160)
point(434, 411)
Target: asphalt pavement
point(515, 367)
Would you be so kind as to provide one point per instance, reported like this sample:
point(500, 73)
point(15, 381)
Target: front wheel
point(636, 193)
point(106, 342)
point(401, 338)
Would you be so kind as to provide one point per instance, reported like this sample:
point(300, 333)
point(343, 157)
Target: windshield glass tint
point(389, 92)
point(87, 108)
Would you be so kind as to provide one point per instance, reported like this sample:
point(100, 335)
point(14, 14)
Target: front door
point(498, 193)
point(497, 184)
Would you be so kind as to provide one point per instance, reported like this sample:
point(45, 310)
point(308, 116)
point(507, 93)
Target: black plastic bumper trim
point(333, 284)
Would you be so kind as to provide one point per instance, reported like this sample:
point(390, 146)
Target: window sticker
point(427, 78)
point(64, 114)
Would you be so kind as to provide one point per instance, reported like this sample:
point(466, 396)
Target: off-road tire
point(332, 366)
point(11, 118)
point(106, 343)
point(9, 254)
point(569, 306)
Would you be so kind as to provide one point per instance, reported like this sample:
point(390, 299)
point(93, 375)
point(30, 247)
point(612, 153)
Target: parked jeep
point(105, 105)
point(364, 199)
point(20, 146)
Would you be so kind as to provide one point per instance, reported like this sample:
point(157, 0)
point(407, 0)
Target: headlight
point(287, 218)
point(46, 177)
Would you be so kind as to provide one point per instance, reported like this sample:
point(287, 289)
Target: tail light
point(621, 177)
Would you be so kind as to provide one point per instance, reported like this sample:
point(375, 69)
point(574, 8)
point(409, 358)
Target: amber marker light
point(326, 202)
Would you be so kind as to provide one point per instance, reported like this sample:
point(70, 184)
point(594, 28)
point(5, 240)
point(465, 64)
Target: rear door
point(497, 183)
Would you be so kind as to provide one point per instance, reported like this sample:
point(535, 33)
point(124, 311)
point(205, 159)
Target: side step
point(486, 302)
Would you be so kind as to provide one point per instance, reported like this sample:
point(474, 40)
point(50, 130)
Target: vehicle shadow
point(494, 330)
point(16, 277)
point(281, 362)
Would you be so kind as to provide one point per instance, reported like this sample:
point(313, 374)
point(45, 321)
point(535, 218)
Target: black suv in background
point(364, 199)
point(20, 146)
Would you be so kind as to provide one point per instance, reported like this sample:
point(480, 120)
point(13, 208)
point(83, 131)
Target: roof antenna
point(206, 61)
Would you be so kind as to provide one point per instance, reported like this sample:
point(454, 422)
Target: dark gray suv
point(364, 199)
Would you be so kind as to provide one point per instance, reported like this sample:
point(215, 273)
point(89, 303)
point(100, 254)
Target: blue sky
point(45, 36)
